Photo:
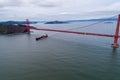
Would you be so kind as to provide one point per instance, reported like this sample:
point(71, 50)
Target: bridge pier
point(115, 44)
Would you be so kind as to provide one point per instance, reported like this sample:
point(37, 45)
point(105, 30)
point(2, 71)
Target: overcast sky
point(57, 9)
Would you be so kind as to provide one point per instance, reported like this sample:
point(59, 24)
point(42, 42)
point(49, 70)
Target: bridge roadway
point(74, 32)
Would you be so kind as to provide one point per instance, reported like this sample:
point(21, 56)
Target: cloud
point(9, 3)
point(114, 6)
point(46, 3)
point(57, 9)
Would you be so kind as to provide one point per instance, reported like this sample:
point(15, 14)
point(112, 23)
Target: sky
point(57, 9)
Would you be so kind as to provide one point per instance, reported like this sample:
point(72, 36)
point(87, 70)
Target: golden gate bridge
point(115, 36)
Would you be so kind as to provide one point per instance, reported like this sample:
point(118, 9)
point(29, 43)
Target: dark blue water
point(61, 56)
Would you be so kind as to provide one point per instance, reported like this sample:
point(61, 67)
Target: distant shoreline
point(58, 21)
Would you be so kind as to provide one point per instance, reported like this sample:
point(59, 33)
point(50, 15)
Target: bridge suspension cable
point(95, 23)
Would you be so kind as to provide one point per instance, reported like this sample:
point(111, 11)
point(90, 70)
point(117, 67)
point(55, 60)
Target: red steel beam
point(74, 32)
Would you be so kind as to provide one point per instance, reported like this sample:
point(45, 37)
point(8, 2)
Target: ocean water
point(61, 56)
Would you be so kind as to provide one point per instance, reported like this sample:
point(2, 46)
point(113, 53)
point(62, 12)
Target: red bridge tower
point(27, 26)
point(115, 44)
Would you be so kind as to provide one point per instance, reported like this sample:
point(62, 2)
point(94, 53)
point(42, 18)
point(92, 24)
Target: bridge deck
point(74, 32)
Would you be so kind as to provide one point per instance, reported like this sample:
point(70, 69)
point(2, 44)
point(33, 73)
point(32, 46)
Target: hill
point(11, 29)
point(17, 22)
